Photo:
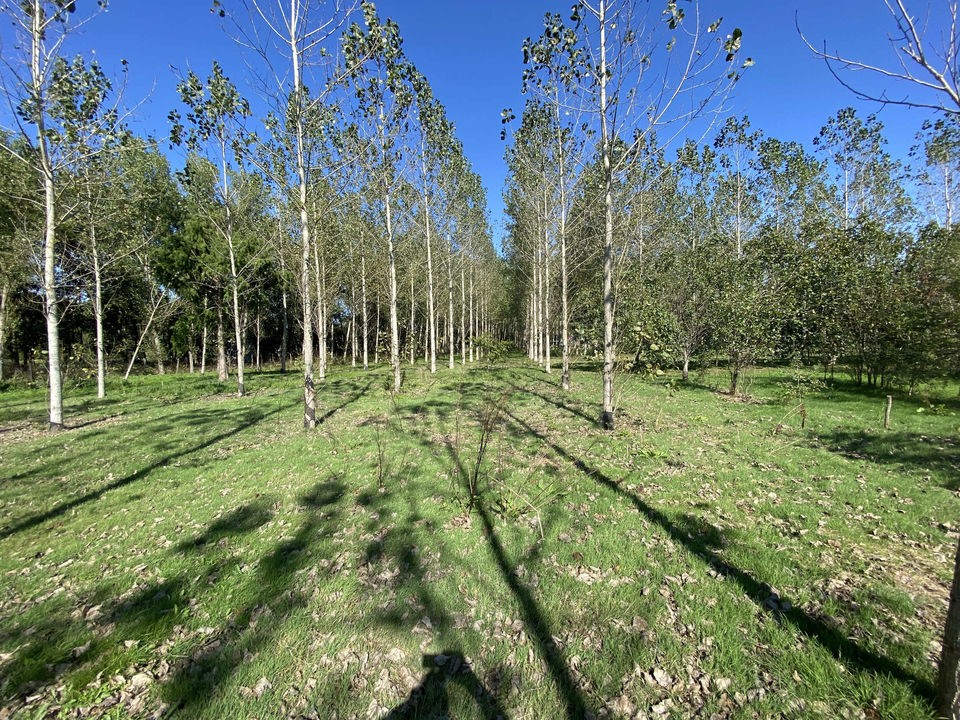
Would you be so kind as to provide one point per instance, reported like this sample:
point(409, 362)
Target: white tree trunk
point(4, 294)
point(363, 303)
point(564, 293)
point(223, 372)
point(471, 326)
point(392, 271)
point(609, 351)
point(412, 328)
point(546, 298)
point(463, 314)
point(237, 317)
point(431, 309)
point(98, 311)
point(450, 315)
point(51, 309)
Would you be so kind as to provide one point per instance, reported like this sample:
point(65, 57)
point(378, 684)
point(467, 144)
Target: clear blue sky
point(470, 52)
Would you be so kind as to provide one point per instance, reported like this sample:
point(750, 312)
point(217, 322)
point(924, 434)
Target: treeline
point(340, 220)
point(743, 249)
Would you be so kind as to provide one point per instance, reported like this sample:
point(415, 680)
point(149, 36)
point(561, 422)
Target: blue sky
point(470, 52)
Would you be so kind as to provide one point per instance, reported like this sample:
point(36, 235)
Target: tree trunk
point(353, 325)
point(412, 329)
point(257, 356)
point(363, 303)
point(203, 341)
point(564, 293)
point(51, 308)
point(4, 293)
point(234, 279)
point(538, 307)
point(463, 314)
point(686, 366)
point(158, 349)
point(546, 299)
point(376, 334)
point(394, 325)
point(450, 315)
point(431, 309)
point(470, 327)
point(146, 329)
point(948, 682)
point(98, 312)
point(222, 372)
point(321, 317)
point(609, 351)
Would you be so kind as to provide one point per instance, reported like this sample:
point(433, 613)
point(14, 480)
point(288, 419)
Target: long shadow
point(430, 698)
point(559, 404)
point(252, 418)
point(534, 619)
point(195, 680)
point(348, 401)
point(906, 450)
point(147, 615)
point(842, 648)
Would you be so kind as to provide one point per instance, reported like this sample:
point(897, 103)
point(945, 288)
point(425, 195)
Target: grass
point(475, 547)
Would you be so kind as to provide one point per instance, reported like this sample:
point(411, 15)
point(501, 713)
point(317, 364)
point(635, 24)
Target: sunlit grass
point(179, 547)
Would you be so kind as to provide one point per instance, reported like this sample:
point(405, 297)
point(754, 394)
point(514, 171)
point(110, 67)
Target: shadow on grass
point(908, 451)
point(349, 400)
point(249, 418)
point(430, 699)
point(195, 679)
point(238, 521)
point(556, 402)
point(536, 622)
point(64, 641)
point(706, 548)
point(393, 561)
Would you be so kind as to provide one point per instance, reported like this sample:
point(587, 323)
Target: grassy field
point(475, 548)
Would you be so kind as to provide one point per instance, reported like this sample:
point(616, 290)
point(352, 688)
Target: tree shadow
point(239, 521)
point(349, 400)
point(394, 560)
point(535, 621)
point(706, 548)
point(430, 699)
point(249, 417)
point(905, 450)
point(196, 677)
point(556, 402)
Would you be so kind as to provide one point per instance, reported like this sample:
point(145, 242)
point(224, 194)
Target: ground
point(476, 547)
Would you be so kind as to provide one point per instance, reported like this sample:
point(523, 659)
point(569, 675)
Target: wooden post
point(886, 412)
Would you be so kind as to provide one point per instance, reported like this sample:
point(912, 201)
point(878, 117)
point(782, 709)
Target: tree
point(215, 117)
point(43, 27)
point(933, 71)
point(92, 131)
point(939, 148)
point(292, 38)
point(383, 80)
point(627, 80)
point(18, 214)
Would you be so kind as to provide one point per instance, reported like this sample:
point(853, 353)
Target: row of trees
point(335, 199)
point(745, 249)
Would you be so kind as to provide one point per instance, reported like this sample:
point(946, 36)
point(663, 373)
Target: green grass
point(181, 549)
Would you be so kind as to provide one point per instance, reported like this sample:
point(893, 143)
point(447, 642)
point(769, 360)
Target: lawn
point(475, 547)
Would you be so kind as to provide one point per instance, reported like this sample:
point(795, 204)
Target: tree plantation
point(300, 417)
